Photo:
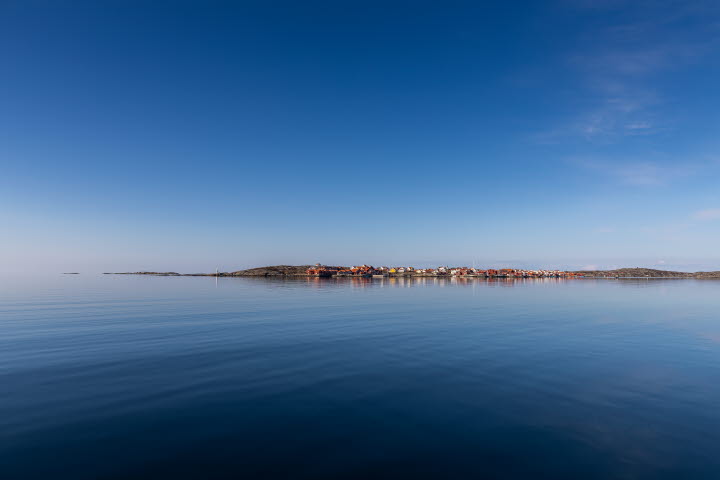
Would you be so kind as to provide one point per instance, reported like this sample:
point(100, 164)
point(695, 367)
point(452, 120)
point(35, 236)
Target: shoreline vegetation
point(440, 272)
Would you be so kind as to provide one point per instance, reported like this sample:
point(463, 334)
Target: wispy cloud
point(707, 214)
point(645, 173)
point(637, 173)
point(638, 127)
point(619, 117)
point(619, 62)
point(613, 117)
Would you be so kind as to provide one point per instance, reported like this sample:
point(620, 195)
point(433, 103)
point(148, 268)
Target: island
point(319, 270)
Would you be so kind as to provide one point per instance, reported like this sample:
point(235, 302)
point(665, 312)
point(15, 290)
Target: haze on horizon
point(193, 135)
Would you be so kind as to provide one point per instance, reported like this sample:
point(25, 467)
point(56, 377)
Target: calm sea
point(189, 377)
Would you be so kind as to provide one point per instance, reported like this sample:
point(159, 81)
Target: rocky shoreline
point(301, 271)
point(646, 273)
point(271, 271)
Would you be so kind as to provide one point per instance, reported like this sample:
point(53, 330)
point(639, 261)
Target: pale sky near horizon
point(193, 135)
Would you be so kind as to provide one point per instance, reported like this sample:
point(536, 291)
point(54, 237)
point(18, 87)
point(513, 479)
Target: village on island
point(320, 270)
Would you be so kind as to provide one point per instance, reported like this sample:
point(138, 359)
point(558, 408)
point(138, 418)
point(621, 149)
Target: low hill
point(275, 270)
point(715, 274)
point(271, 270)
point(647, 272)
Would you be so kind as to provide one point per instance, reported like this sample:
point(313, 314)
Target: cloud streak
point(707, 214)
point(637, 173)
point(620, 62)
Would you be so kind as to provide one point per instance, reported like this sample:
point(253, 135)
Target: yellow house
point(392, 270)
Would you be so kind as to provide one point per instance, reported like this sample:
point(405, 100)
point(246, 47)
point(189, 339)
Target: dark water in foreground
point(161, 377)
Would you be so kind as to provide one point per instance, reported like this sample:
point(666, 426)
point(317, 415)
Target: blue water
point(191, 377)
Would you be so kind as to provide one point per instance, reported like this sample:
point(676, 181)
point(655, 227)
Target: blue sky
point(189, 135)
